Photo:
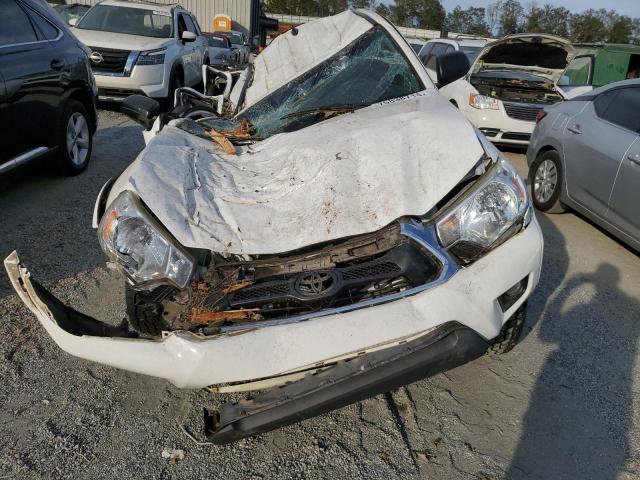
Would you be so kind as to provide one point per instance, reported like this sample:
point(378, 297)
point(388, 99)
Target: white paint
point(290, 55)
point(346, 176)
point(189, 361)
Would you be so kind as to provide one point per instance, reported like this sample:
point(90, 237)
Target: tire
point(75, 141)
point(144, 317)
point(510, 333)
point(546, 178)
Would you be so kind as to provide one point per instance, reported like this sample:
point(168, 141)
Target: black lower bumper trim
point(348, 382)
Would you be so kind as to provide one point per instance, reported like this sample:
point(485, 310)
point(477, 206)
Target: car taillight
point(540, 115)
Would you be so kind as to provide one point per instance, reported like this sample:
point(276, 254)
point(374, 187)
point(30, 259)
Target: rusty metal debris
point(237, 286)
point(201, 316)
point(223, 141)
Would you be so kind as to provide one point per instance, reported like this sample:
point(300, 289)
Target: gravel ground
point(564, 404)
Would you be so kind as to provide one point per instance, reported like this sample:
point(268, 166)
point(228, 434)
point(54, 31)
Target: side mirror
point(141, 109)
point(73, 22)
point(451, 67)
point(564, 81)
point(188, 36)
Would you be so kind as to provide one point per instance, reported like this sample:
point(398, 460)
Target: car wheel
point(510, 333)
point(74, 139)
point(546, 182)
point(175, 83)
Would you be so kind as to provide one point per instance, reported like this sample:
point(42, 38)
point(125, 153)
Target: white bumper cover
point(189, 361)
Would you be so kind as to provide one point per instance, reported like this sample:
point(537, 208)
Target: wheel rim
point(545, 181)
point(78, 138)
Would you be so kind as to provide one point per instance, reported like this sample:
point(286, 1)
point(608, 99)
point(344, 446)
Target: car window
point(189, 23)
point(236, 38)
point(198, 29)
point(634, 67)
point(578, 72)
point(216, 42)
point(471, 52)
point(128, 20)
point(16, 27)
point(449, 49)
point(47, 30)
point(439, 49)
point(416, 47)
point(620, 107)
point(426, 50)
point(370, 70)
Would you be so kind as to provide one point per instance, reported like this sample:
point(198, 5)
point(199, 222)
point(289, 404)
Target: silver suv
point(143, 48)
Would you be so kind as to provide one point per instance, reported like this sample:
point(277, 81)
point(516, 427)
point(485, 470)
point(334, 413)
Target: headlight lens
point(488, 214)
point(152, 57)
point(136, 242)
point(482, 102)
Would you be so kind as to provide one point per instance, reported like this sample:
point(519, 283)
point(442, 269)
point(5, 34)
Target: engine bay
point(514, 89)
point(234, 291)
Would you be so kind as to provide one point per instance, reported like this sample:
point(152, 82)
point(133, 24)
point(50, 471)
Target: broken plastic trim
point(348, 382)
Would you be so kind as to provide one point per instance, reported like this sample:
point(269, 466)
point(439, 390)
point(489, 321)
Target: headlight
point(482, 102)
point(136, 242)
point(491, 212)
point(152, 57)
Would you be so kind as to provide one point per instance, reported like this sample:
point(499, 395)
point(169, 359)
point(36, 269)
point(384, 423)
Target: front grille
point(113, 61)
point(490, 132)
point(403, 266)
point(525, 137)
point(370, 270)
point(520, 111)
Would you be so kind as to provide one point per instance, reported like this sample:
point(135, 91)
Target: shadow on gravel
point(47, 217)
point(580, 414)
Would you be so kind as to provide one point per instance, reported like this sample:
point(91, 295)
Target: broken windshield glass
point(369, 70)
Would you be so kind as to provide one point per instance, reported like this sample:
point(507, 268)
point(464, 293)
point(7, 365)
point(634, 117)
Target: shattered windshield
point(370, 70)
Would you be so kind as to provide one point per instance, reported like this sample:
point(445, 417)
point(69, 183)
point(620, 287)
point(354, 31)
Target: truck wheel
point(74, 139)
point(546, 179)
point(144, 316)
point(510, 333)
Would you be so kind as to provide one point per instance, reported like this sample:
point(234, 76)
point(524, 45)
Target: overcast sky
point(625, 7)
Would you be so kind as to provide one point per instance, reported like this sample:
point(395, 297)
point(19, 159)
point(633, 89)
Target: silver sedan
point(585, 155)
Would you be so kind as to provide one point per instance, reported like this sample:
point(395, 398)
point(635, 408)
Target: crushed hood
point(289, 55)
point(119, 41)
point(348, 175)
point(542, 55)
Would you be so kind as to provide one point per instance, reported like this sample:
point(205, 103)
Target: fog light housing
point(511, 296)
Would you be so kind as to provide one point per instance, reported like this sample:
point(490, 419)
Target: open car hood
point(543, 55)
point(347, 175)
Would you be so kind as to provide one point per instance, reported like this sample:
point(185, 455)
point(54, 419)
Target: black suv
point(47, 90)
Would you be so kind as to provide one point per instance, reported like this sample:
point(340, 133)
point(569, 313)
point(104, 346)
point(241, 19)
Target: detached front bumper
point(447, 347)
point(469, 297)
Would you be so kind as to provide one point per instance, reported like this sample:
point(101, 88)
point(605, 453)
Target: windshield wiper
point(328, 111)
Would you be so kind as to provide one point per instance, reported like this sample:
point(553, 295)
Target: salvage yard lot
point(564, 404)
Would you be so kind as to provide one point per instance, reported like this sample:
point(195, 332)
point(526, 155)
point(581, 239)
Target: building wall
point(205, 10)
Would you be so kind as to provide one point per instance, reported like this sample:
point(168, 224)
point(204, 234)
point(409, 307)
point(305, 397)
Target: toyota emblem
point(313, 284)
point(96, 57)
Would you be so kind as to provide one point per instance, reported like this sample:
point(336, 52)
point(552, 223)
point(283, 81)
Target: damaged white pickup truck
point(340, 231)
